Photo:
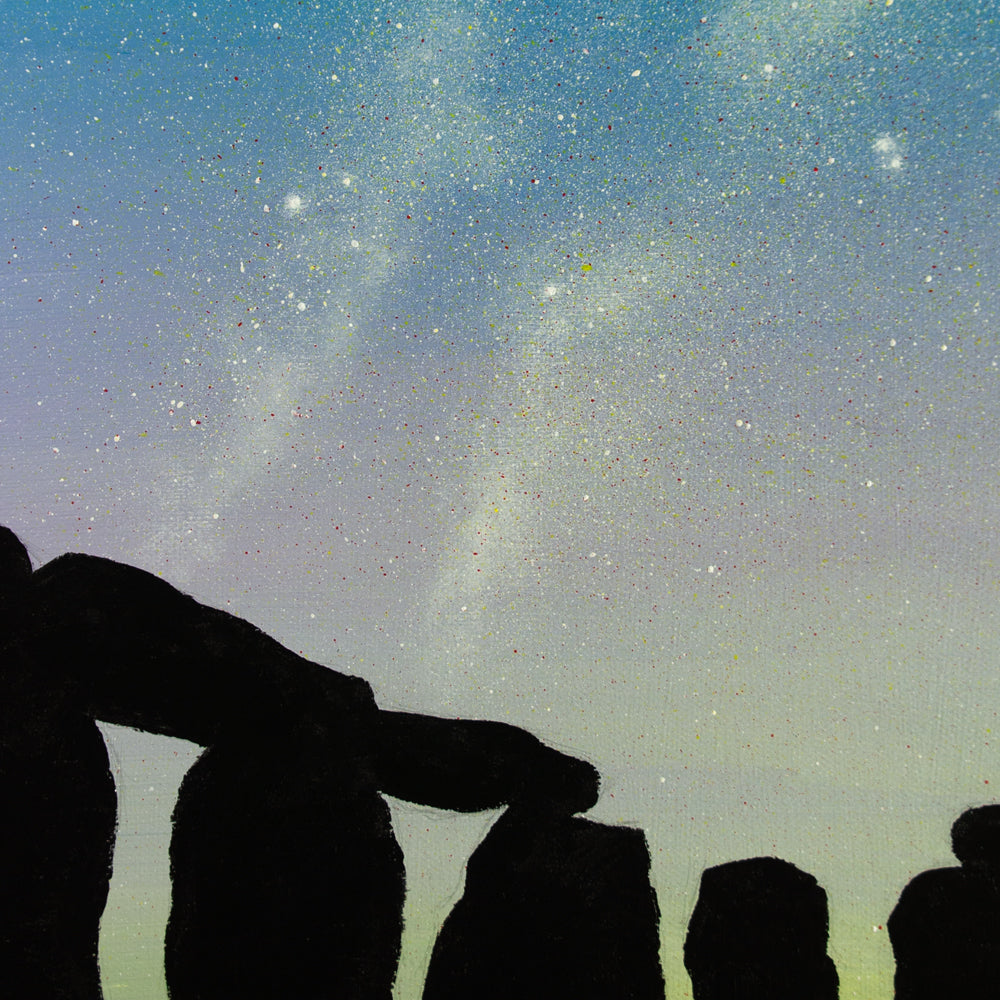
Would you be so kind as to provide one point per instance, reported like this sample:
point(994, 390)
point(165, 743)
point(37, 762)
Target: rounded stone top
point(15, 563)
point(975, 836)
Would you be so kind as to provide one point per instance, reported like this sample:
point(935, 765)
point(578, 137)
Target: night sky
point(627, 372)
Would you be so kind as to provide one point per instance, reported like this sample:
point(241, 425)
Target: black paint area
point(759, 929)
point(554, 906)
point(287, 880)
point(945, 929)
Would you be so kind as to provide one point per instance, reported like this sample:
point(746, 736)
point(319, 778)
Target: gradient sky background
point(627, 372)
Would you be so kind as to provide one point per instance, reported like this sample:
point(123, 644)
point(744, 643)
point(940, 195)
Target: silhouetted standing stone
point(287, 880)
point(945, 929)
point(58, 801)
point(553, 907)
point(56, 849)
point(759, 932)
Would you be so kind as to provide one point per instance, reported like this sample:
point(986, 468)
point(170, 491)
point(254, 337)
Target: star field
point(627, 373)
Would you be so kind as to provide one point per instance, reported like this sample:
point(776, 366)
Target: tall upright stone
point(59, 808)
point(553, 906)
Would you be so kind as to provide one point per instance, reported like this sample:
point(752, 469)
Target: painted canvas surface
point(626, 373)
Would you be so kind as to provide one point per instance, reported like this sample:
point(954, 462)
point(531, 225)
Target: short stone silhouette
point(945, 929)
point(553, 906)
point(287, 879)
point(759, 932)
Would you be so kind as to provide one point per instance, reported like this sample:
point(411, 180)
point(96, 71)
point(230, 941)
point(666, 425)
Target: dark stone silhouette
point(322, 913)
point(759, 932)
point(287, 880)
point(945, 929)
point(59, 809)
point(554, 906)
point(56, 848)
point(471, 765)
